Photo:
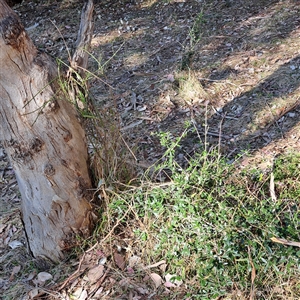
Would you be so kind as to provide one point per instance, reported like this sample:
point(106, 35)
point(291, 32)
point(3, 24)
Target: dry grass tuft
point(112, 161)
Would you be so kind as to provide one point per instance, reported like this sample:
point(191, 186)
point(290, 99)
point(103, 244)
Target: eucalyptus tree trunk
point(43, 137)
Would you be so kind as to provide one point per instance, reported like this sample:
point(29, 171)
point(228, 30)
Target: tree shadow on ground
point(155, 39)
point(270, 109)
point(264, 114)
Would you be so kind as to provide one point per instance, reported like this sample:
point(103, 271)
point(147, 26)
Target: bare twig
point(285, 242)
point(272, 188)
point(154, 265)
point(77, 273)
point(253, 275)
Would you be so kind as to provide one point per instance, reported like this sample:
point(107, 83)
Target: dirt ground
point(232, 68)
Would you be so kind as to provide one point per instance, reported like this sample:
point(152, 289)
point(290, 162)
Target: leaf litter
point(245, 61)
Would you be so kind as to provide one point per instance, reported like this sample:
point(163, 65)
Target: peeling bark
point(45, 142)
point(79, 63)
point(80, 57)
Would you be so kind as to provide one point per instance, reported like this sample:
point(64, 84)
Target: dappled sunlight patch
point(190, 89)
point(113, 36)
point(147, 3)
point(135, 59)
point(99, 40)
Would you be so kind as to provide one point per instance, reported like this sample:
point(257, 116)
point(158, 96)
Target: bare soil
point(230, 67)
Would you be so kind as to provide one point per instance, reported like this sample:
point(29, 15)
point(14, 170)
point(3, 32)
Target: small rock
point(15, 244)
point(291, 114)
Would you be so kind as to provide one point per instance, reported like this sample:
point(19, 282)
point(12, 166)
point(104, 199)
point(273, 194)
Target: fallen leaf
point(125, 282)
point(98, 292)
point(163, 267)
point(102, 261)
point(142, 290)
point(133, 261)
point(77, 292)
point(169, 278)
point(156, 279)
point(16, 269)
point(130, 270)
point(169, 284)
point(44, 276)
point(31, 275)
point(95, 273)
point(119, 260)
point(142, 108)
point(33, 293)
point(6, 240)
point(152, 86)
point(170, 77)
point(15, 244)
point(84, 295)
